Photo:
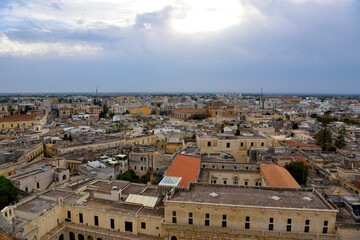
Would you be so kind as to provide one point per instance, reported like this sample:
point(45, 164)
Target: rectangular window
point(207, 219)
point(224, 218)
point(209, 144)
point(236, 181)
point(96, 220)
point(143, 225)
point(81, 218)
point(325, 228)
point(241, 144)
point(252, 144)
point(191, 221)
point(271, 227)
point(112, 223)
point(271, 224)
point(228, 145)
point(38, 185)
point(69, 214)
point(174, 217)
point(247, 222)
point(128, 226)
point(307, 227)
point(288, 226)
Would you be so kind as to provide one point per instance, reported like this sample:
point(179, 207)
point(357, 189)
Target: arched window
point(81, 237)
point(72, 236)
point(173, 238)
point(61, 237)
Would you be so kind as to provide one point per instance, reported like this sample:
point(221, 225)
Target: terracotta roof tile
point(277, 176)
point(24, 117)
point(294, 143)
point(186, 167)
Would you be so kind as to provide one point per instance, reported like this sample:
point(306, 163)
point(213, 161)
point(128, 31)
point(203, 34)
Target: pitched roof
point(277, 176)
point(186, 167)
point(295, 143)
point(25, 117)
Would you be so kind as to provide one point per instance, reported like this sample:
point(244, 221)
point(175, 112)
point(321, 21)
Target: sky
point(283, 46)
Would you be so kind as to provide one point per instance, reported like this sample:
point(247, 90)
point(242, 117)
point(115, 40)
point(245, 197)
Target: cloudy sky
point(296, 46)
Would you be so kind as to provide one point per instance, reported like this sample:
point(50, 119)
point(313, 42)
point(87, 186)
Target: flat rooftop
point(133, 189)
point(36, 205)
point(56, 194)
point(251, 196)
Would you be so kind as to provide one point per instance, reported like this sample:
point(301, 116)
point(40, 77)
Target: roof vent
point(214, 194)
point(276, 198)
point(307, 199)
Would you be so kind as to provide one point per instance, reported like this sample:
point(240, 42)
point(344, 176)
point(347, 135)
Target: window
point(174, 217)
point(68, 214)
point(209, 144)
point(112, 223)
point(228, 145)
point(271, 224)
point(307, 227)
point(246, 183)
point(288, 226)
point(143, 225)
point(236, 181)
point(262, 144)
point(252, 144)
point(207, 219)
point(225, 182)
point(247, 222)
point(128, 226)
point(38, 185)
point(241, 144)
point(81, 218)
point(141, 168)
point(191, 221)
point(224, 218)
point(325, 228)
point(96, 220)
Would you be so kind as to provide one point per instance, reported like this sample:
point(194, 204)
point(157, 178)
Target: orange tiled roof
point(25, 117)
point(295, 143)
point(3, 236)
point(302, 160)
point(277, 176)
point(186, 167)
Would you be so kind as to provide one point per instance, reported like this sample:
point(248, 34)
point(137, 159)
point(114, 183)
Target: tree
point(222, 127)
point(324, 139)
point(295, 126)
point(65, 137)
point(145, 178)
point(237, 133)
point(104, 112)
point(340, 138)
point(299, 171)
point(129, 175)
point(8, 192)
point(198, 116)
